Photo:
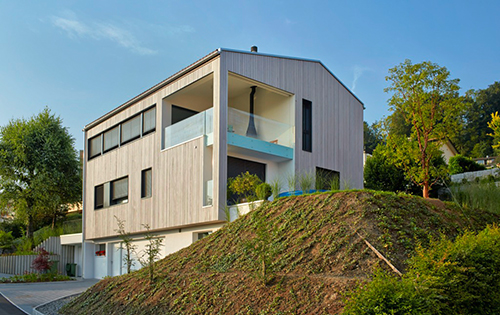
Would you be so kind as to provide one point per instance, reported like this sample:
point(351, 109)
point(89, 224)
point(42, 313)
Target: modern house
point(163, 158)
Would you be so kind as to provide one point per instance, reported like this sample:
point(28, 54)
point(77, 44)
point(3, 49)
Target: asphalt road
point(6, 308)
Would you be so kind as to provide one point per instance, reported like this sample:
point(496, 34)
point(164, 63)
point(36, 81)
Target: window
point(100, 249)
point(149, 121)
point(327, 179)
point(131, 129)
point(111, 138)
point(119, 191)
point(146, 183)
point(95, 146)
point(99, 197)
point(201, 235)
point(306, 125)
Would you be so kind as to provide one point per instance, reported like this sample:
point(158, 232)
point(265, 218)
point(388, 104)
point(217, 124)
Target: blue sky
point(84, 58)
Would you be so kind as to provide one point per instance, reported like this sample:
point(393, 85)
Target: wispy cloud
point(358, 72)
point(100, 31)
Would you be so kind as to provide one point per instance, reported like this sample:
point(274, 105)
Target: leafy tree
point(39, 168)
point(6, 239)
point(473, 140)
point(461, 164)
point(381, 174)
point(372, 136)
point(429, 102)
point(494, 124)
point(151, 253)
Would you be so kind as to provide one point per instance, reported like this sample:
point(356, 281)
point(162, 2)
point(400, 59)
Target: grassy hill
point(313, 248)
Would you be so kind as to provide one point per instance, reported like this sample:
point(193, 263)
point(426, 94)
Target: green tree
point(461, 164)
point(429, 101)
point(372, 136)
point(381, 174)
point(494, 125)
point(473, 140)
point(39, 168)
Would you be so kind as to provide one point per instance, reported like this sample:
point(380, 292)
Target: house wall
point(337, 114)
point(177, 198)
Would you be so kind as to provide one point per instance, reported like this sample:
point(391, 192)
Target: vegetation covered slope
point(312, 248)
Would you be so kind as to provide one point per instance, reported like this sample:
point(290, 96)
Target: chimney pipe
point(253, 49)
point(251, 131)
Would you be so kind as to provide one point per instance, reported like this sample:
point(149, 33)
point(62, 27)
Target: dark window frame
point(120, 200)
point(98, 205)
point(134, 137)
point(90, 156)
point(144, 191)
point(306, 125)
point(145, 132)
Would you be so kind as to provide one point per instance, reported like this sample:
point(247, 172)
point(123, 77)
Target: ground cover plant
point(447, 277)
point(316, 248)
point(35, 277)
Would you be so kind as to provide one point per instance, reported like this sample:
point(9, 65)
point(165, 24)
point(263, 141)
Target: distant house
point(164, 157)
point(448, 149)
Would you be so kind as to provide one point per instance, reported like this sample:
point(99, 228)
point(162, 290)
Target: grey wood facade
point(179, 173)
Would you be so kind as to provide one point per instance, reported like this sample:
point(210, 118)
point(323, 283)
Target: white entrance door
point(116, 260)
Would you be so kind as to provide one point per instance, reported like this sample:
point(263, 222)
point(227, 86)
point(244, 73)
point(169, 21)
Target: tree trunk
point(29, 229)
point(426, 190)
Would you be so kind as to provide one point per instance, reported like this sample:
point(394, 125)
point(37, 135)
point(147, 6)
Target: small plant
point(292, 181)
point(306, 181)
point(151, 253)
point(263, 191)
point(276, 187)
point(126, 244)
point(244, 186)
point(42, 262)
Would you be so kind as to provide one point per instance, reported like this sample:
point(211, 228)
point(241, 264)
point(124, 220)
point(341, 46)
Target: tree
point(428, 101)
point(381, 174)
point(39, 168)
point(461, 164)
point(126, 244)
point(494, 124)
point(372, 136)
point(473, 140)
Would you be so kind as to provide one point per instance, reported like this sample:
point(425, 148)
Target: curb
point(13, 303)
point(37, 312)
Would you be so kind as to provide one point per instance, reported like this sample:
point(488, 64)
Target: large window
point(99, 197)
point(133, 128)
point(307, 125)
point(95, 147)
point(119, 191)
point(146, 183)
point(111, 138)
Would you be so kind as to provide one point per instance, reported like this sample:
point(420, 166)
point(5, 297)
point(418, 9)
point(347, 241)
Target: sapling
point(151, 253)
point(126, 244)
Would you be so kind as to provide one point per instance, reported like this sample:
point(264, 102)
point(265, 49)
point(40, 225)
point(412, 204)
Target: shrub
point(460, 277)
point(461, 164)
point(244, 186)
point(42, 262)
point(6, 239)
point(263, 191)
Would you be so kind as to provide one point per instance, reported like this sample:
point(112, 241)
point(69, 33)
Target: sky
point(82, 59)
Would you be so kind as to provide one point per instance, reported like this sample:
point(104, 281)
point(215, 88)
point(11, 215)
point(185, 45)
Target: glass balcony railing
point(267, 130)
point(189, 128)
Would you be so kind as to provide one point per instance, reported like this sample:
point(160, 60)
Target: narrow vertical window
point(149, 121)
point(99, 197)
point(306, 125)
point(119, 191)
point(146, 183)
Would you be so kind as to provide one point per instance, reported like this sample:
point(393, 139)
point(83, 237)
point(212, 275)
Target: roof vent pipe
point(253, 49)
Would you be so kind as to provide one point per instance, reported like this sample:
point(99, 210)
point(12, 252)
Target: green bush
point(243, 186)
point(461, 164)
point(263, 191)
point(460, 277)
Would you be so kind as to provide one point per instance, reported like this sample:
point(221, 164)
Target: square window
point(119, 191)
point(146, 183)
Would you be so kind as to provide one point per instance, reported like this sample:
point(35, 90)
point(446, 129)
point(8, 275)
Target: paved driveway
point(28, 295)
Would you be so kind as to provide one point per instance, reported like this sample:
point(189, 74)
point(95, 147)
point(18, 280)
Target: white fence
point(19, 264)
point(470, 176)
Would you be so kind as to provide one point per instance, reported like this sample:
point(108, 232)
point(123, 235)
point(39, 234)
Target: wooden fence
point(19, 264)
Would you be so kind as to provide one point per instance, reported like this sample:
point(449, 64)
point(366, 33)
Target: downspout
point(251, 131)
